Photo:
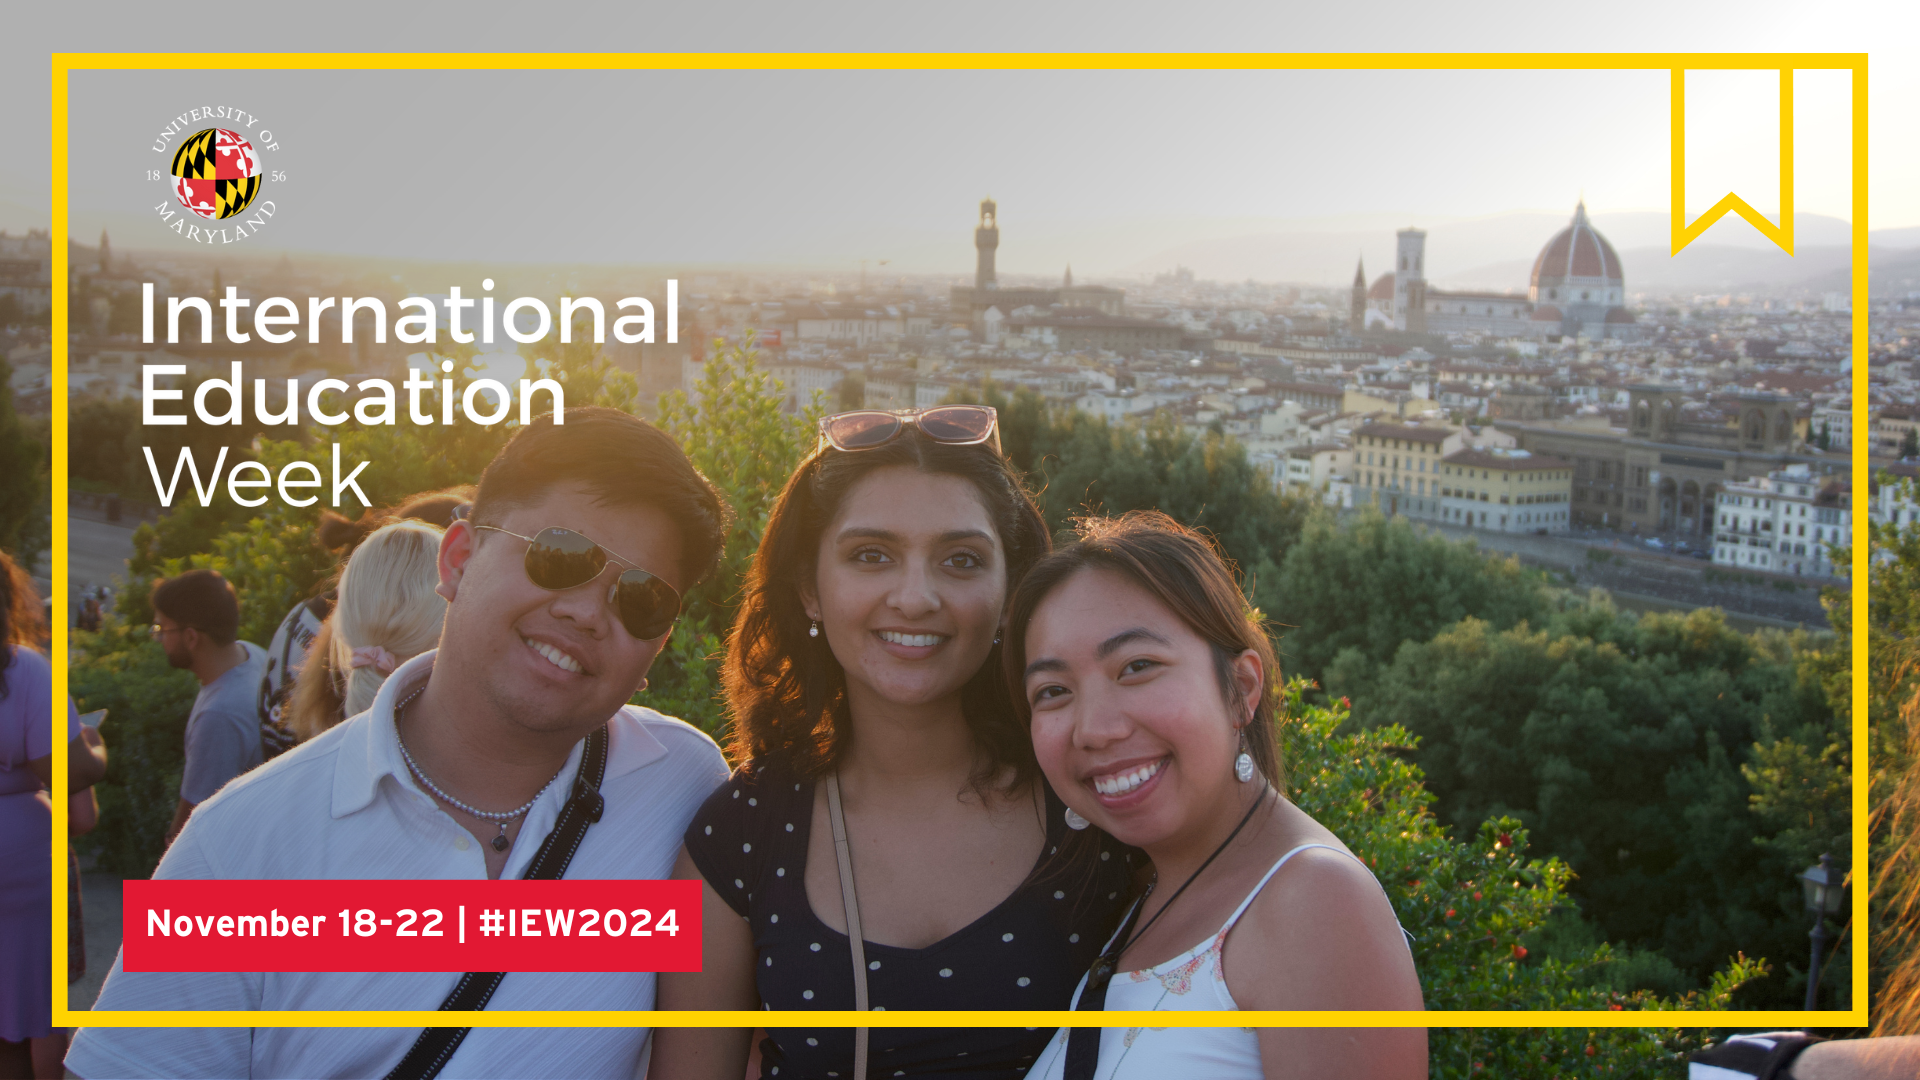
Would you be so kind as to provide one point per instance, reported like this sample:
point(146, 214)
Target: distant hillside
point(1700, 268)
point(1497, 253)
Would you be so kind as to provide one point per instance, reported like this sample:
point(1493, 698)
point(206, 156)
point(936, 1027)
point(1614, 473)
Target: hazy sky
point(827, 168)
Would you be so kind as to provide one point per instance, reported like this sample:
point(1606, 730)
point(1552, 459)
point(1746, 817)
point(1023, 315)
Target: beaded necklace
point(499, 842)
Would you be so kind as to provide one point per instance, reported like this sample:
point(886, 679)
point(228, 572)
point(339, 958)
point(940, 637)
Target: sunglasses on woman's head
point(561, 559)
point(955, 425)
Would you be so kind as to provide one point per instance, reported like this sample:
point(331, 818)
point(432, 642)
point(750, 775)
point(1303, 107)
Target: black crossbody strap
point(430, 1052)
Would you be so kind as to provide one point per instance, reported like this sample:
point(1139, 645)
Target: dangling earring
point(996, 637)
point(1075, 821)
point(1243, 765)
point(814, 629)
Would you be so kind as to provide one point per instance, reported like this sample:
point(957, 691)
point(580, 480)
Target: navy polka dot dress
point(750, 842)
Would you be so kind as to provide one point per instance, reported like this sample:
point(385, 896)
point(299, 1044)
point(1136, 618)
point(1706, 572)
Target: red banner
point(459, 925)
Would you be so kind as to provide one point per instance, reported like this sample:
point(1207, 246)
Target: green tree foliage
point(103, 443)
point(1893, 719)
point(853, 391)
point(735, 433)
point(1079, 463)
point(583, 370)
point(1471, 904)
point(147, 703)
point(1354, 590)
point(1620, 742)
point(24, 488)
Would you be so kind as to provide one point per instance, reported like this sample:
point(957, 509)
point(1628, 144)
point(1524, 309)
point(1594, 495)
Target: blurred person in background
point(89, 619)
point(305, 628)
point(386, 612)
point(29, 1044)
point(196, 620)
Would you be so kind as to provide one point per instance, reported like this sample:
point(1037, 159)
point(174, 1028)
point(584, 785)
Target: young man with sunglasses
point(562, 585)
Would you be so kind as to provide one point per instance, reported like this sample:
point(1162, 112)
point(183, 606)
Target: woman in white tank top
point(1152, 695)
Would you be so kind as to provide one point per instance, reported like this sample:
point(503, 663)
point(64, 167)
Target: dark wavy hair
point(785, 690)
point(1184, 571)
point(20, 616)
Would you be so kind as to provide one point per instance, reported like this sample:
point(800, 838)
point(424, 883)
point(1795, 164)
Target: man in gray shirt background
point(196, 620)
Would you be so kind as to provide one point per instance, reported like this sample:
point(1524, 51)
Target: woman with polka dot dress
point(888, 783)
point(1150, 688)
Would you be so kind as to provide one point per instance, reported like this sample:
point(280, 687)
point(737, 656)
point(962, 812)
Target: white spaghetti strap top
point(1193, 980)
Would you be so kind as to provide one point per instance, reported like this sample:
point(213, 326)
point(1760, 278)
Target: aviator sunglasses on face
point(956, 425)
point(561, 559)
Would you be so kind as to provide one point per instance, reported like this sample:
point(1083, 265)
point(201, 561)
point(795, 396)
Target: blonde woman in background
point(305, 630)
point(387, 613)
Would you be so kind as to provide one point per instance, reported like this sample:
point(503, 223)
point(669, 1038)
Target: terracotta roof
point(1546, 313)
point(1316, 389)
point(1382, 288)
point(1576, 251)
point(1620, 315)
point(1404, 431)
point(1487, 459)
point(1498, 297)
point(1792, 382)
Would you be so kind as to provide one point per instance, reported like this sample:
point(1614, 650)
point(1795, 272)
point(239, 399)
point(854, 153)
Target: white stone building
point(1781, 522)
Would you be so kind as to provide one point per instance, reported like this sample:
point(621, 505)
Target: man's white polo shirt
point(345, 806)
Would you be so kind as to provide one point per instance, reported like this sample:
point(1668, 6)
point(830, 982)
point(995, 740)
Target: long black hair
point(784, 688)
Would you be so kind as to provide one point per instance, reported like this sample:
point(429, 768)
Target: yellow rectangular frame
point(1675, 63)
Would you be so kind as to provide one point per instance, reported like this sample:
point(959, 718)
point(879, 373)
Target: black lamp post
point(1824, 896)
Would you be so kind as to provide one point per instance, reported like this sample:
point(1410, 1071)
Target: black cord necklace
point(1083, 1044)
point(1109, 961)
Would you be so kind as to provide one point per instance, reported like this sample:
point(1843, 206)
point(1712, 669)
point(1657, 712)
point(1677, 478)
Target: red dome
point(1576, 251)
point(1382, 288)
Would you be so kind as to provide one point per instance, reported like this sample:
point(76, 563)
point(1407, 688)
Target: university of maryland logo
point(216, 173)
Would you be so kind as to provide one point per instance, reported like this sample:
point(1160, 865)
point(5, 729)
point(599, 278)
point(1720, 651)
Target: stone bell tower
point(1357, 308)
point(986, 240)
point(1410, 282)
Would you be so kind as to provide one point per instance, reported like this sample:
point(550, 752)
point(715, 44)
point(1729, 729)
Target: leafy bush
point(1472, 906)
point(1353, 590)
point(147, 703)
point(733, 431)
point(1620, 741)
point(24, 446)
point(1079, 463)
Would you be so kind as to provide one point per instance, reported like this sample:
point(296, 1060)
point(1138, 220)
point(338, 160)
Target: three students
point(962, 763)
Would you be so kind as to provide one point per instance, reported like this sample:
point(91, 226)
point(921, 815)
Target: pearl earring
point(1243, 765)
point(1075, 821)
point(814, 629)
